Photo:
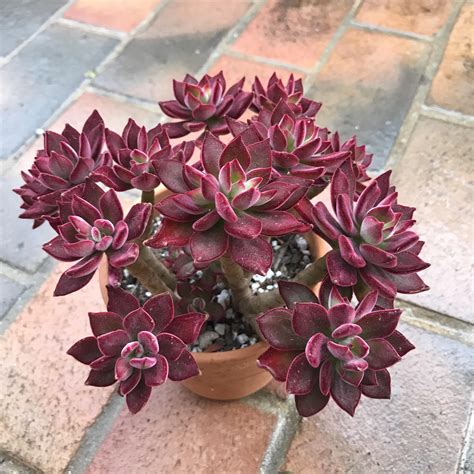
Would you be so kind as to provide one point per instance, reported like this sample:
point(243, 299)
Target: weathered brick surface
point(171, 47)
point(179, 432)
point(453, 85)
point(21, 246)
point(424, 17)
point(367, 88)
point(124, 15)
point(44, 405)
point(38, 80)
point(435, 175)
point(419, 430)
point(295, 32)
point(10, 291)
point(19, 20)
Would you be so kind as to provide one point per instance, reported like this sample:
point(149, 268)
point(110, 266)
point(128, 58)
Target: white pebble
point(223, 298)
point(242, 338)
point(220, 329)
point(207, 339)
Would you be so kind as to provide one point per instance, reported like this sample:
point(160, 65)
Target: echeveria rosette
point(339, 352)
point(138, 347)
point(93, 229)
point(229, 205)
point(134, 154)
point(276, 93)
point(373, 244)
point(65, 162)
point(204, 104)
point(299, 147)
point(360, 161)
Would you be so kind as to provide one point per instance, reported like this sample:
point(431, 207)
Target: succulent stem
point(152, 274)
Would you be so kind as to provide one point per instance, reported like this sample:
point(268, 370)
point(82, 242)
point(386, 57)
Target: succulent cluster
point(333, 351)
point(138, 347)
point(219, 212)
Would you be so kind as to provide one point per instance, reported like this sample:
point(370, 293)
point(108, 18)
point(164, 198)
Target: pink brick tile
point(421, 429)
point(453, 84)
point(178, 432)
point(295, 32)
point(45, 407)
point(424, 17)
point(435, 175)
point(123, 15)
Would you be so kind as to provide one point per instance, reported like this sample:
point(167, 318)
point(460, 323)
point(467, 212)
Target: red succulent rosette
point(229, 205)
point(337, 352)
point(138, 347)
point(373, 245)
point(299, 147)
point(92, 228)
point(267, 99)
point(134, 155)
point(65, 162)
point(204, 104)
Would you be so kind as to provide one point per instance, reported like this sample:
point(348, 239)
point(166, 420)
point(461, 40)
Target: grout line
point(464, 466)
point(35, 281)
point(262, 60)
point(434, 60)
point(19, 275)
point(338, 34)
point(98, 30)
point(283, 434)
point(148, 105)
point(438, 323)
point(26, 467)
point(57, 14)
point(451, 116)
point(95, 435)
point(230, 37)
point(390, 31)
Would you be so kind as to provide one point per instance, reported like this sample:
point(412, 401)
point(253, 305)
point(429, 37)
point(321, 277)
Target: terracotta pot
point(225, 375)
point(233, 374)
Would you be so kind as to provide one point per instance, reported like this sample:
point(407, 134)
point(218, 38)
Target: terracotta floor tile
point(436, 176)
point(123, 15)
point(45, 407)
point(293, 31)
point(367, 87)
point(453, 84)
point(178, 432)
point(424, 17)
point(421, 429)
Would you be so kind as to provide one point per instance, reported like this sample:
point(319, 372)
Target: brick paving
point(398, 73)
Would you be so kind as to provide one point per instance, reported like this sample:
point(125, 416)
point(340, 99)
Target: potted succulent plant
point(209, 279)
